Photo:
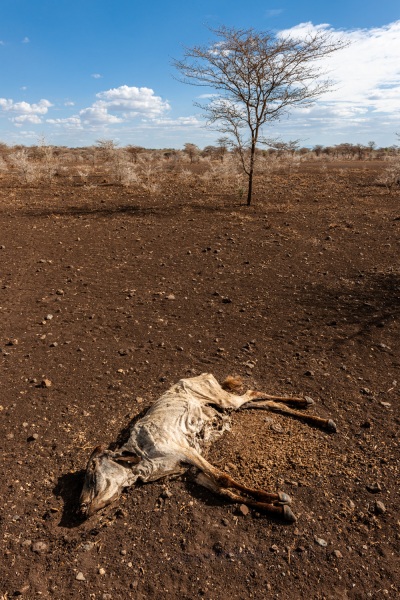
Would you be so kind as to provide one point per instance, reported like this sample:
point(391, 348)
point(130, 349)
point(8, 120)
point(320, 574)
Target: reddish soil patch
point(109, 299)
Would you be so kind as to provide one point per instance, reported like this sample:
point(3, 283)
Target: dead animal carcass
point(171, 437)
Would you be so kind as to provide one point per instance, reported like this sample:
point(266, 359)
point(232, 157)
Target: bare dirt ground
point(107, 299)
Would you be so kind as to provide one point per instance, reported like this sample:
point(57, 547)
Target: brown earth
point(107, 299)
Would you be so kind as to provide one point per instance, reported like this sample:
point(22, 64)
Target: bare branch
point(259, 77)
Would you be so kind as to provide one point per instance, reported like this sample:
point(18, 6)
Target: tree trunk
point(251, 171)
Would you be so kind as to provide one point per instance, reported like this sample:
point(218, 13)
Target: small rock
point(48, 317)
point(244, 510)
point(374, 488)
point(321, 542)
point(45, 383)
point(26, 543)
point(166, 494)
point(123, 552)
point(337, 553)
point(309, 373)
point(106, 597)
point(60, 292)
point(87, 546)
point(102, 571)
point(380, 508)
point(365, 391)
point(218, 548)
point(385, 404)
point(277, 428)
point(40, 547)
point(170, 297)
point(274, 548)
point(80, 576)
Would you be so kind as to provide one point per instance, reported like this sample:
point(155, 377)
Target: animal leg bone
point(222, 481)
point(327, 424)
point(277, 510)
point(291, 400)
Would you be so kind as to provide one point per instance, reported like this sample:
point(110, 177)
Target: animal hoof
point(284, 498)
point(288, 516)
point(331, 426)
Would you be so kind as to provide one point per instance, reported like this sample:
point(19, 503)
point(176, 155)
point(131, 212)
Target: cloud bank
point(366, 78)
point(364, 103)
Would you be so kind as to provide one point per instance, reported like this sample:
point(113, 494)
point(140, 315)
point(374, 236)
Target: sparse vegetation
point(215, 170)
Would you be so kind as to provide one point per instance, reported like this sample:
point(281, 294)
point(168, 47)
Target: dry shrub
point(390, 177)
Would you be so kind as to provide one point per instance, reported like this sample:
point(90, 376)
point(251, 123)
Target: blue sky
point(75, 71)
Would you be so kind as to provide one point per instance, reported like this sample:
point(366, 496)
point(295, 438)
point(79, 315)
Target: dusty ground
point(109, 299)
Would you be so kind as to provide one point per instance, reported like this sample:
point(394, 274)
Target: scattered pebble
point(380, 508)
point(244, 510)
point(385, 404)
point(374, 488)
point(48, 317)
point(337, 553)
point(45, 383)
point(80, 576)
point(40, 547)
point(102, 571)
point(365, 391)
point(321, 542)
point(87, 546)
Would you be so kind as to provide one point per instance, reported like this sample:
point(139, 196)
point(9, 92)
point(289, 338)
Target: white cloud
point(26, 40)
point(69, 103)
point(24, 112)
point(24, 107)
point(132, 101)
point(98, 115)
point(183, 122)
point(22, 119)
point(69, 122)
point(128, 102)
point(366, 73)
point(96, 76)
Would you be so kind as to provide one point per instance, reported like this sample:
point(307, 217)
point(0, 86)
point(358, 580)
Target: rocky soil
point(107, 299)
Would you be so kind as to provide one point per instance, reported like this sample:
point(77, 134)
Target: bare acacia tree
point(259, 77)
